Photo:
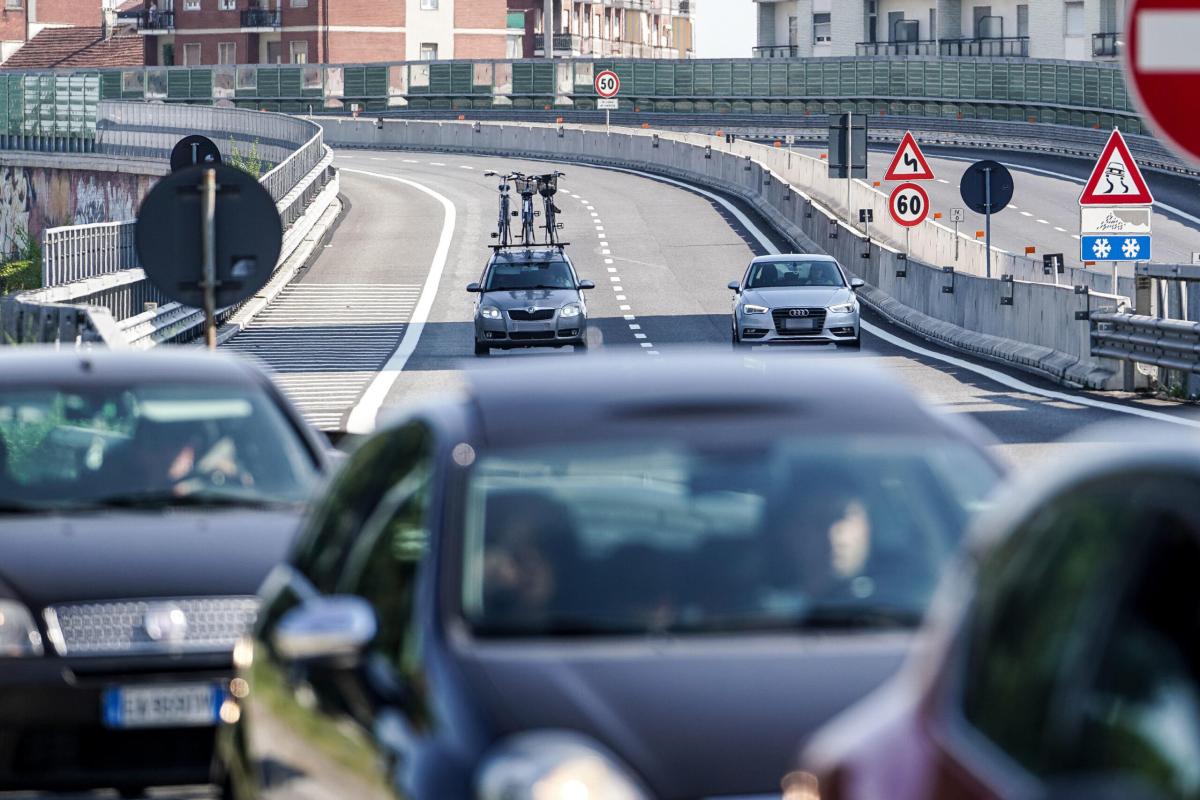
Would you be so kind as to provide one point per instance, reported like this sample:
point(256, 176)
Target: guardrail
point(1166, 343)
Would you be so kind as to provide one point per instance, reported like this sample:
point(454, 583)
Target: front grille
point(817, 315)
point(531, 336)
point(538, 315)
point(121, 627)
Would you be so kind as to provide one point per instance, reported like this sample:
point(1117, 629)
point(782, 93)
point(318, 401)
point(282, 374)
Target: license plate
point(165, 706)
point(532, 327)
point(799, 324)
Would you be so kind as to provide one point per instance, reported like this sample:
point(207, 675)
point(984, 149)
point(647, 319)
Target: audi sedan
point(795, 299)
point(530, 297)
point(644, 580)
point(143, 498)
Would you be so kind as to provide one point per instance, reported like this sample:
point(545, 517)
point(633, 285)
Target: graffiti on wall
point(35, 198)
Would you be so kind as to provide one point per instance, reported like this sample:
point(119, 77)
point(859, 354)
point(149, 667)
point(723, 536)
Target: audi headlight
point(844, 308)
point(490, 312)
point(553, 765)
point(570, 310)
point(18, 634)
point(749, 308)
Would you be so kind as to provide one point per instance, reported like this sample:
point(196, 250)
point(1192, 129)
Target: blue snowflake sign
point(1114, 248)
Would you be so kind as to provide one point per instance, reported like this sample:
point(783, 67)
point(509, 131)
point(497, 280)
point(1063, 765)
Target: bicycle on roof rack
point(503, 229)
point(547, 188)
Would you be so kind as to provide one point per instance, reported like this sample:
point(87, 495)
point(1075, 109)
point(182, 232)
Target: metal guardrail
point(75, 252)
point(1167, 343)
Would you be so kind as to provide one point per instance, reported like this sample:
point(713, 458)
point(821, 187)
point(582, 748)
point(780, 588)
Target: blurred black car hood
point(695, 718)
point(117, 555)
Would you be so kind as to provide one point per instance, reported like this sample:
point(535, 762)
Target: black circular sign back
point(169, 235)
point(192, 151)
point(974, 191)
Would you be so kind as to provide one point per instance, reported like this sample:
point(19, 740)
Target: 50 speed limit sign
point(608, 84)
point(909, 205)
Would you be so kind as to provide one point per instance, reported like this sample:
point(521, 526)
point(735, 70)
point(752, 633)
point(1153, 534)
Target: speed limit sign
point(608, 84)
point(909, 205)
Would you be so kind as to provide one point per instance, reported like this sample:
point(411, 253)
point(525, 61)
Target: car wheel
point(131, 792)
point(854, 344)
point(582, 347)
point(482, 349)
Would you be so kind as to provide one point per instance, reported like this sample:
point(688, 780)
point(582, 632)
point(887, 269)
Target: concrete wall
point(1037, 332)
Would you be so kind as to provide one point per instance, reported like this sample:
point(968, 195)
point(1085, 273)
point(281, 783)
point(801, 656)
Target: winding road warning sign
point(909, 163)
point(1116, 179)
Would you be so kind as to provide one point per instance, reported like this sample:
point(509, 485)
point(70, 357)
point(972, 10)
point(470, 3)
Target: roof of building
point(78, 47)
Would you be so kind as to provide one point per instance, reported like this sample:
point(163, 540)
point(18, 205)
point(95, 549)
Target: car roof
point(528, 255)
point(609, 397)
point(43, 365)
point(794, 257)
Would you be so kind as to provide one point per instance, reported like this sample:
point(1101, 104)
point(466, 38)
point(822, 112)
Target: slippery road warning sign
point(1116, 179)
point(909, 163)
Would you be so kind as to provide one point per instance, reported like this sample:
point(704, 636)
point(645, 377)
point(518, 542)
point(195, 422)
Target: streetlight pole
point(548, 28)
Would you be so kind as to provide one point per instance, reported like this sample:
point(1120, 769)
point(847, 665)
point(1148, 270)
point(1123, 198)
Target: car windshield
point(147, 446)
point(683, 538)
point(773, 274)
point(516, 276)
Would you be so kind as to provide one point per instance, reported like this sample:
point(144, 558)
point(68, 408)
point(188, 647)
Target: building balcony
point(159, 22)
point(777, 51)
point(265, 18)
point(1106, 45)
point(565, 43)
point(918, 48)
point(1017, 46)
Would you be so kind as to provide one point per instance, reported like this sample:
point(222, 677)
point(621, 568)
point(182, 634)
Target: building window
point(299, 51)
point(429, 51)
point(191, 5)
point(299, 3)
point(429, 5)
point(515, 47)
point(12, 5)
point(822, 29)
point(1023, 20)
point(227, 5)
point(227, 53)
point(191, 55)
point(793, 31)
point(1075, 18)
point(168, 55)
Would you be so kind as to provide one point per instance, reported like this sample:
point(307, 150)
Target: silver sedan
point(795, 299)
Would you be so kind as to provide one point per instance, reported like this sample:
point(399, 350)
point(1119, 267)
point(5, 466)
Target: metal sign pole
point(608, 122)
point(208, 239)
point(848, 161)
point(956, 239)
point(1115, 285)
point(987, 226)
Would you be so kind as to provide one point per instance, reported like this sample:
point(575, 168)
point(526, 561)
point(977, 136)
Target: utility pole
point(548, 28)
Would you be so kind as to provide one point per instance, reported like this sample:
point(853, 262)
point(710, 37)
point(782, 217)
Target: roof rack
point(523, 246)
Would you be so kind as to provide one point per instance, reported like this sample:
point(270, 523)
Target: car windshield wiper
point(559, 626)
point(835, 617)
point(167, 499)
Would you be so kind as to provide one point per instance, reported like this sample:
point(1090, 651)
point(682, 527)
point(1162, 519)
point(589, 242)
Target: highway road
point(381, 317)
point(1044, 213)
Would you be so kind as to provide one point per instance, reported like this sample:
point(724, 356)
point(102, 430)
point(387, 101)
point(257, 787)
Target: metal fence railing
point(74, 252)
point(1166, 343)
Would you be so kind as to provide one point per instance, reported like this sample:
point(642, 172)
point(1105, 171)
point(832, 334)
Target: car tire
point(581, 348)
point(131, 792)
point(482, 349)
point(854, 344)
point(738, 344)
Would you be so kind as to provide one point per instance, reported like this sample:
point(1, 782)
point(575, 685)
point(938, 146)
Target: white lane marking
point(635, 327)
point(995, 375)
point(653, 353)
point(465, 166)
point(618, 289)
point(639, 335)
point(940, 180)
point(436, 164)
point(599, 227)
point(374, 158)
point(608, 261)
point(1060, 230)
point(411, 161)
point(595, 214)
point(614, 279)
point(1013, 206)
point(620, 297)
point(362, 417)
point(625, 308)
point(612, 269)
point(1026, 214)
point(628, 317)
point(606, 252)
point(1075, 236)
point(647, 344)
point(1044, 222)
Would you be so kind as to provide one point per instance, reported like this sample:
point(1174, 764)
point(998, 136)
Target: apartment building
point(1079, 30)
point(22, 20)
point(612, 28)
point(198, 32)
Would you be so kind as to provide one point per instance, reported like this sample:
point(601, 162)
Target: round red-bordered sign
point(908, 205)
point(608, 84)
point(1161, 66)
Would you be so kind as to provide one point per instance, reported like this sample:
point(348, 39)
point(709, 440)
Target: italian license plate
point(164, 706)
point(799, 324)
point(532, 327)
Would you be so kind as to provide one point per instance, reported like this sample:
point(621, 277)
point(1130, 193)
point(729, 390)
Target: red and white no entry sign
point(608, 84)
point(1163, 65)
point(909, 205)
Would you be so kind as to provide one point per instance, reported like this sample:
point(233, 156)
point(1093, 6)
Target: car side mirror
point(334, 630)
point(584, 285)
point(857, 283)
point(474, 288)
point(734, 286)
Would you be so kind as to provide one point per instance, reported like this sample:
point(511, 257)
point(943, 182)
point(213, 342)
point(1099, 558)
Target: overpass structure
point(376, 314)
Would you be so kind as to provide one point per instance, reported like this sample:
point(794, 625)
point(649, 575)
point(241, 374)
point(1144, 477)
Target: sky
point(724, 28)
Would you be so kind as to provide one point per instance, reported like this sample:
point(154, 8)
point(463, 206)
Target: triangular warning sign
point(909, 163)
point(1116, 179)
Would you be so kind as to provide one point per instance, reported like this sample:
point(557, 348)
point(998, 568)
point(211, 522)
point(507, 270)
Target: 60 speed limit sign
point(909, 205)
point(608, 84)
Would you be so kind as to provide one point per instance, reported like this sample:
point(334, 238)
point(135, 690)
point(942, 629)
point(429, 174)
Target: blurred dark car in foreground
point(643, 579)
point(1062, 658)
point(143, 498)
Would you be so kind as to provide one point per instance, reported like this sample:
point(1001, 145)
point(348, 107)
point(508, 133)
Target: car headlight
point(554, 765)
point(490, 312)
point(18, 634)
point(571, 310)
point(844, 308)
point(749, 308)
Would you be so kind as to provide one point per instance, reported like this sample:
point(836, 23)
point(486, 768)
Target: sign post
point(848, 153)
point(957, 216)
point(987, 188)
point(1115, 209)
point(908, 164)
point(608, 86)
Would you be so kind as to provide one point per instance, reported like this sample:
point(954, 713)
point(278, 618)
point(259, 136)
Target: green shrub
point(250, 162)
point(23, 269)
